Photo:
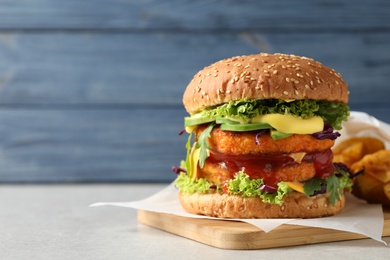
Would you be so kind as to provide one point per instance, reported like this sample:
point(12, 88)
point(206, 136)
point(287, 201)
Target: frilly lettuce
point(187, 185)
point(332, 112)
point(240, 185)
point(244, 186)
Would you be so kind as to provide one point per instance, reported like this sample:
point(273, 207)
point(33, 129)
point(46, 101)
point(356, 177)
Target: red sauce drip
point(323, 163)
point(265, 166)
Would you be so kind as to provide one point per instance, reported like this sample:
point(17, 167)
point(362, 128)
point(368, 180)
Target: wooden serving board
point(240, 235)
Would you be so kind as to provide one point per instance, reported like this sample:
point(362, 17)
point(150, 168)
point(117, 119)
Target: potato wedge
point(352, 150)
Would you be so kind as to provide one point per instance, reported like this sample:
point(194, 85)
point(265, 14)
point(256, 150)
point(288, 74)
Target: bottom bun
point(295, 205)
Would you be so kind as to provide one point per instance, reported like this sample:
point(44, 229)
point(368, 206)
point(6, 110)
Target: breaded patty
point(238, 143)
point(264, 157)
point(218, 173)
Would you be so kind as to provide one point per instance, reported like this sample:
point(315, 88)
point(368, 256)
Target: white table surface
point(55, 222)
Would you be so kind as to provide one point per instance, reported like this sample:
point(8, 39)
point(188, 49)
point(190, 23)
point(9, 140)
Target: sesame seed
point(203, 93)
point(296, 92)
point(275, 72)
point(287, 79)
point(228, 91)
point(215, 75)
point(311, 82)
point(247, 66)
point(285, 92)
point(307, 86)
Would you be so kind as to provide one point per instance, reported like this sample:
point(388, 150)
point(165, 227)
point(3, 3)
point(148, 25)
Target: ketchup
point(266, 166)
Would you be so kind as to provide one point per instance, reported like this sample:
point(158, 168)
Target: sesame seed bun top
point(263, 76)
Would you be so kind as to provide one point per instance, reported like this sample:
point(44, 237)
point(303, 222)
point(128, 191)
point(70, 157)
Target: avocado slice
point(276, 135)
point(245, 127)
point(197, 119)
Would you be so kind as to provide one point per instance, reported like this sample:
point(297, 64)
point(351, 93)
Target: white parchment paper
point(357, 216)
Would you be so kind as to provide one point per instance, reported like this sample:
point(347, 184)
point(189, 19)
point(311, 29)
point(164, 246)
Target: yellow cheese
point(194, 159)
point(291, 124)
point(297, 156)
point(297, 186)
point(190, 129)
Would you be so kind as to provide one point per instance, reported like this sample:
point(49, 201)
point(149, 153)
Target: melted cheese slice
point(297, 156)
point(291, 124)
point(297, 186)
point(194, 159)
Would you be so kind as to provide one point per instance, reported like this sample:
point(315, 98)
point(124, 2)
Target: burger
point(261, 129)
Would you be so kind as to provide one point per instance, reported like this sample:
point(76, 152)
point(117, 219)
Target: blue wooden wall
point(90, 91)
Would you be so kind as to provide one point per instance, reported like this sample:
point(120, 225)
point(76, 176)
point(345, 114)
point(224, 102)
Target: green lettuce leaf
point(332, 112)
point(244, 186)
point(335, 185)
point(240, 185)
point(203, 144)
point(186, 185)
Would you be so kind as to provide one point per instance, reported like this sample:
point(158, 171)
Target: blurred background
point(90, 91)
